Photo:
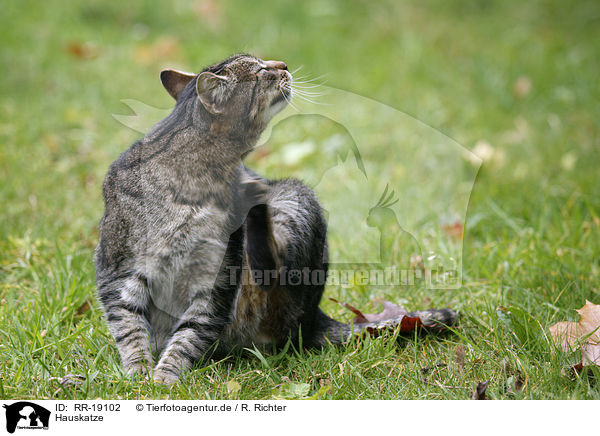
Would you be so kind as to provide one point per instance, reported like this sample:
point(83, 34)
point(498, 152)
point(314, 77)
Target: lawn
point(413, 86)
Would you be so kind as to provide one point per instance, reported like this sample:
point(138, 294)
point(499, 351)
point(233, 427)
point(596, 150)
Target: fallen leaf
point(514, 381)
point(353, 309)
point(392, 317)
point(479, 393)
point(210, 12)
point(395, 317)
point(390, 310)
point(83, 308)
point(517, 382)
point(577, 367)
point(576, 371)
point(455, 230)
point(583, 335)
point(83, 51)
point(164, 48)
point(522, 87)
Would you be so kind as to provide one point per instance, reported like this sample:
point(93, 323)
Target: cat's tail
point(331, 331)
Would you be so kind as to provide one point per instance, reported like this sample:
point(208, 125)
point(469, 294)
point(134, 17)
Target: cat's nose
point(278, 65)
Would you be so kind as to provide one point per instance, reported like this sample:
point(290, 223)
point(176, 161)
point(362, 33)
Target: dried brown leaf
point(390, 310)
point(479, 393)
point(583, 335)
point(392, 317)
point(456, 230)
point(359, 315)
point(522, 87)
point(519, 382)
point(210, 12)
point(83, 308)
point(83, 51)
point(166, 47)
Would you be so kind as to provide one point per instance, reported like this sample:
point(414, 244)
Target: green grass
point(532, 239)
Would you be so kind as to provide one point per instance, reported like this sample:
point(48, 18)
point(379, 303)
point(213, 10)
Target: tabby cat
point(198, 254)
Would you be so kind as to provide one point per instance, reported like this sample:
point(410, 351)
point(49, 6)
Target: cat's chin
point(274, 108)
point(282, 97)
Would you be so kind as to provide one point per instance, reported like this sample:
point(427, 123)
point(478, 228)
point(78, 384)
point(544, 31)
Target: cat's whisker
point(289, 102)
point(309, 83)
point(307, 88)
point(301, 97)
point(300, 77)
point(308, 93)
point(306, 79)
point(316, 85)
point(296, 70)
point(307, 98)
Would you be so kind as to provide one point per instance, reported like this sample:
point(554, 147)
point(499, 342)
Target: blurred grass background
point(515, 82)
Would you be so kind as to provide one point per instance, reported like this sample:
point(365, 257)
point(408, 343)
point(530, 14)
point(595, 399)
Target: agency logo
point(26, 415)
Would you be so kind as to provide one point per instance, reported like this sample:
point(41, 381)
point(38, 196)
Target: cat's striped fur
point(186, 223)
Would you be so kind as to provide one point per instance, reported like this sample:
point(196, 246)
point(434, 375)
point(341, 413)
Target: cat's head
point(242, 90)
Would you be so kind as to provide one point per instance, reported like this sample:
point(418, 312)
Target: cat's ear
point(174, 81)
point(212, 91)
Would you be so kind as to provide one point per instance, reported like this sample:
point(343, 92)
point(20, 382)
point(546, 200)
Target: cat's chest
point(190, 237)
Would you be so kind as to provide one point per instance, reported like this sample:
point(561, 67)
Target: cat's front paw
point(164, 377)
point(138, 368)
